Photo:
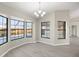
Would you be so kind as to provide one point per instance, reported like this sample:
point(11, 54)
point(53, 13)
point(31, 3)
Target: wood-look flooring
point(44, 50)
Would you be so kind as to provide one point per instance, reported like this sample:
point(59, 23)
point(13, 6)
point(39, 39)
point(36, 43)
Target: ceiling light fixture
point(39, 13)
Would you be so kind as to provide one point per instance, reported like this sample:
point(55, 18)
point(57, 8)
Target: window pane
point(16, 22)
point(5, 39)
point(12, 22)
point(29, 25)
point(29, 33)
point(17, 29)
point(1, 20)
point(61, 30)
point(21, 23)
point(3, 29)
point(45, 29)
point(1, 40)
point(4, 21)
point(29, 29)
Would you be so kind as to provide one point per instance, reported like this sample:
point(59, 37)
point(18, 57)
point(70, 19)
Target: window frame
point(6, 29)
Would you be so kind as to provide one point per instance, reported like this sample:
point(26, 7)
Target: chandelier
point(39, 13)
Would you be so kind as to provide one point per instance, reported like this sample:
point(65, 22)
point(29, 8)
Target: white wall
point(8, 12)
point(62, 15)
point(51, 19)
point(74, 13)
point(77, 24)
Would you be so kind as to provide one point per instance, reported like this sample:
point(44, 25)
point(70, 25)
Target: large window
point(17, 29)
point(3, 30)
point(45, 29)
point(28, 29)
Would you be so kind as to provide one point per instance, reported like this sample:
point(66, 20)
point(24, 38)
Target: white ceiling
point(30, 7)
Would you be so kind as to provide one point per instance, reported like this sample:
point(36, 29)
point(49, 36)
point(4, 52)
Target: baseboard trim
point(55, 44)
point(47, 43)
point(15, 47)
point(61, 44)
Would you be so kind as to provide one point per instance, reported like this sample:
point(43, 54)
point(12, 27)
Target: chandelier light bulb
point(43, 14)
point(39, 11)
point(36, 14)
